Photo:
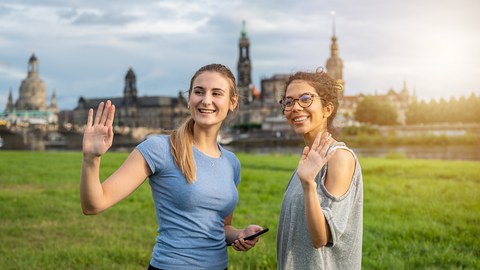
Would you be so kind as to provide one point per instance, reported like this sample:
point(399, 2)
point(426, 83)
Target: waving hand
point(313, 158)
point(98, 134)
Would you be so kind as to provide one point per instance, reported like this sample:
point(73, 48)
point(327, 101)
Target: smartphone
point(250, 237)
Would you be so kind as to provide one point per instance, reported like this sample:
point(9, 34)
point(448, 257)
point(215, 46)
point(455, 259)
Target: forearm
point(231, 233)
point(316, 222)
point(91, 191)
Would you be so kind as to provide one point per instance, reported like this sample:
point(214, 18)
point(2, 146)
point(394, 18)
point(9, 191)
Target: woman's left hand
point(314, 158)
point(244, 245)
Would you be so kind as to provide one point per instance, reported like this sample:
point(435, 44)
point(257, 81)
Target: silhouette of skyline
point(85, 48)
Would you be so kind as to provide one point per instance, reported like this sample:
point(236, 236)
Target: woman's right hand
point(314, 158)
point(98, 134)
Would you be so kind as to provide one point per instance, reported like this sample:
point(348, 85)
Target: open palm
point(98, 134)
point(313, 158)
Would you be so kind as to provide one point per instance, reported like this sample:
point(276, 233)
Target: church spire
point(334, 46)
point(333, 13)
point(334, 63)
point(9, 107)
point(53, 102)
point(244, 29)
point(244, 66)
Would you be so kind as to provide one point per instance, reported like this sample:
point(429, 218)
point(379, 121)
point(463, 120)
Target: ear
point(233, 103)
point(328, 110)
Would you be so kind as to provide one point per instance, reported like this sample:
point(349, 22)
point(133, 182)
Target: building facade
point(132, 110)
point(31, 106)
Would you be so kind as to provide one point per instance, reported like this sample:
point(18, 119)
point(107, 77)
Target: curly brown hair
point(325, 86)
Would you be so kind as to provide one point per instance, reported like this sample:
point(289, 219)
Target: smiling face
point(211, 99)
point(310, 120)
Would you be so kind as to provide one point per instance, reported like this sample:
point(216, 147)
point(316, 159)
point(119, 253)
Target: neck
point(309, 137)
point(205, 140)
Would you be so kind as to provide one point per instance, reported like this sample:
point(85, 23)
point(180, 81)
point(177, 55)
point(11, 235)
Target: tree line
point(462, 110)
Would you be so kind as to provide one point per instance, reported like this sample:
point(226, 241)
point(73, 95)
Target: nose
point(296, 106)
point(207, 98)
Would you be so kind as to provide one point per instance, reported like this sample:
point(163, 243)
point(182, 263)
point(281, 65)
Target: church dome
point(33, 94)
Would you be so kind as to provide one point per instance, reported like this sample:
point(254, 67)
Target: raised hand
point(314, 158)
point(98, 134)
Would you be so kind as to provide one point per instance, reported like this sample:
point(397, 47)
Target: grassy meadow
point(418, 214)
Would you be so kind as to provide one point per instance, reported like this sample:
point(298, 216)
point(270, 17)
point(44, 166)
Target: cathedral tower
point(130, 90)
point(33, 94)
point(244, 78)
point(335, 63)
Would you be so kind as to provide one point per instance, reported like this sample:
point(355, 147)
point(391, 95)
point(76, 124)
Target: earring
point(188, 106)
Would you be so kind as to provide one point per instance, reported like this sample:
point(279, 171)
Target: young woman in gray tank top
point(320, 225)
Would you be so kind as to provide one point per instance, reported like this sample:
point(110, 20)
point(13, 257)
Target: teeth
point(206, 111)
point(299, 119)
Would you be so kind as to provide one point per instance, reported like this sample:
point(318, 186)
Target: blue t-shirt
point(191, 216)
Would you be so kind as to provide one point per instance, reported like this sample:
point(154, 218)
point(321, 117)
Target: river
point(415, 152)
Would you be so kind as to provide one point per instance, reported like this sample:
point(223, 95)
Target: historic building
point(31, 105)
point(132, 110)
point(400, 100)
point(257, 108)
point(263, 108)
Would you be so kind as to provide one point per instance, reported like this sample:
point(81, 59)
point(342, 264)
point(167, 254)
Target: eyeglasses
point(304, 101)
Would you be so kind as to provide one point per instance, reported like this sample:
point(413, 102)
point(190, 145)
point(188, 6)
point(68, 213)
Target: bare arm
point(98, 137)
point(339, 175)
point(97, 197)
point(313, 159)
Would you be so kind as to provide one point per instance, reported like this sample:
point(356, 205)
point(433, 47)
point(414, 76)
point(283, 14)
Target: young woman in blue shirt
point(193, 179)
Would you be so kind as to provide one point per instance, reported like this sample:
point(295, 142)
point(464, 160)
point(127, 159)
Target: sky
point(84, 48)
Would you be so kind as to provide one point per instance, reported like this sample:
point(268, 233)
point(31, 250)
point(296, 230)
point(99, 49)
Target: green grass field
point(418, 214)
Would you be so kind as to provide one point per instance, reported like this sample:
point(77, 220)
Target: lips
point(299, 119)
point(207, 110)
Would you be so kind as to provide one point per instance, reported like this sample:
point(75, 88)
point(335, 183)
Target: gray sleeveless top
point(344, 217)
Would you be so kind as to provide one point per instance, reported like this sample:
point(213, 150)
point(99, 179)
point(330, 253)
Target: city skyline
point(86, 48)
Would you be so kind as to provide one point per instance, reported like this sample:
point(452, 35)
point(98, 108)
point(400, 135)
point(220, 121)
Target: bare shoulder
point(340, 172)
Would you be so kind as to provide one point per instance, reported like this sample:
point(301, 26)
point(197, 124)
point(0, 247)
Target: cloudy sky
point(85, 47)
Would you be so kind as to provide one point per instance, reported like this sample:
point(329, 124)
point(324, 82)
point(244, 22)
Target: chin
point(299, 130)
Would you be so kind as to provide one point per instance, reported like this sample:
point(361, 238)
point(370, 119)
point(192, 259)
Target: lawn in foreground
point(417, 214)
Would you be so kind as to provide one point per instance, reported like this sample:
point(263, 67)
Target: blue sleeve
point(237, 170)
point(235, 163)
point(154, 151)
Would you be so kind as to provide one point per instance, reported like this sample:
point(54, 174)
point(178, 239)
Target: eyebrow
point(203, 88)
point(310, 93)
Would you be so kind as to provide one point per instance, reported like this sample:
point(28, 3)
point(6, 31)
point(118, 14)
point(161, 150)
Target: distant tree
point(414, 115)
point(432, 111)
point(463, 110)
point(477, 110)
point(454, 111)
point(443, 111)
point(373, 111)
point(472, 104)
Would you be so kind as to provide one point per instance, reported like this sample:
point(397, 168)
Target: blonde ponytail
point(181, 141)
